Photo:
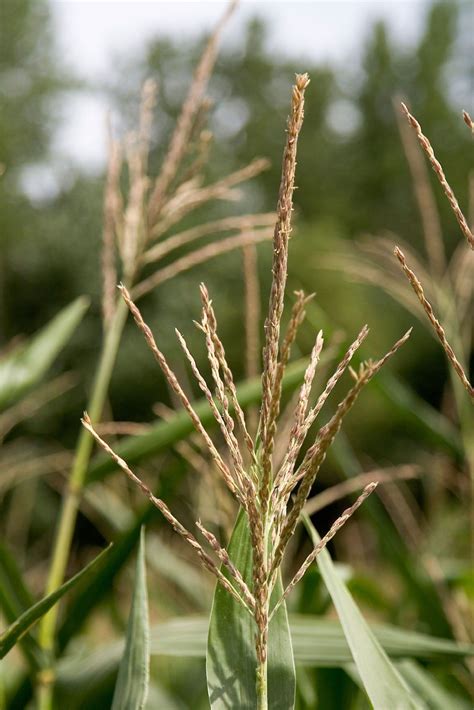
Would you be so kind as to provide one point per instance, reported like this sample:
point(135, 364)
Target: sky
point(91, 34)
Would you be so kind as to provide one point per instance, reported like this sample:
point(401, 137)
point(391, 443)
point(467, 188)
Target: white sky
point(92, 33)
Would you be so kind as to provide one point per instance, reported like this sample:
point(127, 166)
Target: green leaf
point(317, 643)
point(165, 434)
point(418, 583)
point(12, 579)
point(419, 416)
point(427, 687)
point(321, 642)
point(231, 661)
point(25, 366)
point(382, 681)
point(100, 584)
point(24, 622)
point(132, 682)
point(3, 702)
point(15, 598)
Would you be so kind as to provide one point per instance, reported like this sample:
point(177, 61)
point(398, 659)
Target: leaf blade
point(131, 688)
point(230, 660)
point(25, 366)
point(25, 621)
point(382, 681)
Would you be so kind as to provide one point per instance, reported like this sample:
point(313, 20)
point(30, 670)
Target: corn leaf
point(231, 660)
point(418, 583)
point(317, 643)
point(435, 696)
point(100, 584)
point(322, 642)
point(132, 682)
point(15, 598)
point(419, 416)
point(29, 617)
point(25, 366)
point(382, 681)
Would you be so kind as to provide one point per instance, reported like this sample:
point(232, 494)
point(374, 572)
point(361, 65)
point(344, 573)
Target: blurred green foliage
point(352, 175)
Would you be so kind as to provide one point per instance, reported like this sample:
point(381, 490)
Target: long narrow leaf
point(418, 416)
point(131, 688)
point(231, 661)
point(24, 367)
point(382, 681)
point(419, 584)
point(15, 598)
point(24, 622)
point(427, 687)
point(316, 642)
point(100, 584)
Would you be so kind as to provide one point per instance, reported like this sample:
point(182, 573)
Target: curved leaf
point(381, 679)
point(132, 682)
point(24, 622)
point(24, 367)
point(317, 643)
point(15, 598)
point(231, 660)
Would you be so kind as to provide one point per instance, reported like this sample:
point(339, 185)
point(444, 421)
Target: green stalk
point(71, 501)
point(262, 667)
point(262, 686)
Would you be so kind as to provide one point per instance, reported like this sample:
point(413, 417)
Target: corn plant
point(249, 660)
point(132, 226)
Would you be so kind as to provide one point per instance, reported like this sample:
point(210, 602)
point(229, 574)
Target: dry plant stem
point(279, 274)
point(216, 353)
point(297, 316)
point(199, 257)
point(418, 289)
point(436, 165)
point(71, 500)
point(267, 425)
point(182, 132)
point(424, 196)
point(301, 428)
point(335, 527)
point(176, 387)
point(338, 491)
point(111, 208)
point(245, 223)
point(252, 323)
point(189, 196)
point(468, 120)
point(317, 452)
point(206, 561)
point(223, 422)
point(223, 556)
